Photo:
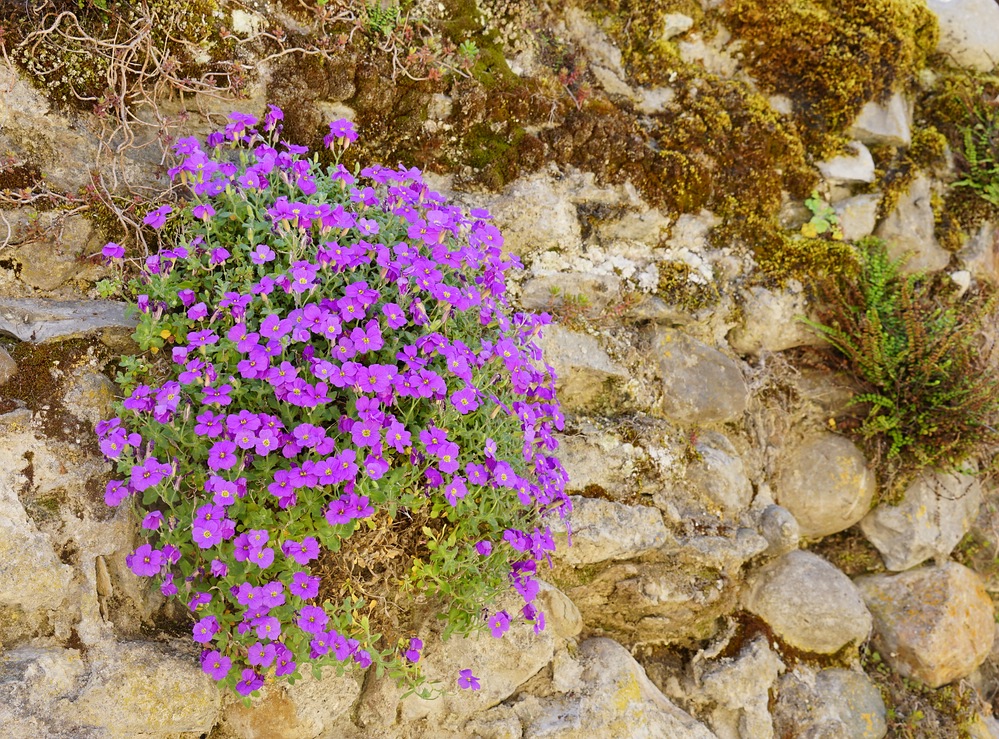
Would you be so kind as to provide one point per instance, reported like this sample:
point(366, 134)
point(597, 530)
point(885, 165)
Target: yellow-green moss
point(831, 57)
point(676, 288)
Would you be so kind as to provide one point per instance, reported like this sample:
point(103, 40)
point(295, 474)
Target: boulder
point(771, 320)
point(700, 384)
point(909, 230)
point(808, 603)
point(780, 528)
point(142, 688)
point(825, 483)
point(718, 472)
point(30, 319)
point(968, 33)
point(614, 698)
point(829, 703)
point(736, 691)
point(935, 624)
point(585, 373)
point(603, 530)
point(855, 166)
point(884, 123)
point(300, 711)
point(936, 512)
point(858, 215)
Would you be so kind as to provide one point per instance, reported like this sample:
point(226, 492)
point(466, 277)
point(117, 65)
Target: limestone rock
point(675, 24)
point(585, 372)
point(8, 367)
point(856, 166)
point(30, 319)
point(780, 528)
point(884, 123)
point(700, 384)
point(140, 688)
point(90, 396)
point(858, 215)
point(830, 703)
point(720, 474)
point(603, 530)
point(545, 292)
point(602, 460)
point(46, 265)
point(31, 575)
point(808, 603)
point(300, 711)
point(33, 680)
point(535, 214)
point(909, 230)
point(739, 689)
point(726, 554)
point(980, 255)
point(968, 33)
point(616, 699)
point(935, 624)
point(771, 321)
point(934, 515)
point(825, 482)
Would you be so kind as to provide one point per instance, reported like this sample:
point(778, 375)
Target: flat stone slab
point(32, 319)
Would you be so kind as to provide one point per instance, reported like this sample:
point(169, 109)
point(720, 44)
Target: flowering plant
point(340, 419)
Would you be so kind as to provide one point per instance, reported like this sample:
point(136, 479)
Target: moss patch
point(832, 57)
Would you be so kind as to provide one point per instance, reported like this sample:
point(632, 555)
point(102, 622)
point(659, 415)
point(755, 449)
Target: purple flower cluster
point(348, 351)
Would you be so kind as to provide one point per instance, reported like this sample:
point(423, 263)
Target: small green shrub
point(980, 139)
point(932, 398)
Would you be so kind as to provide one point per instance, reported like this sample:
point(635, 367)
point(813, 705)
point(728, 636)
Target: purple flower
point(219, 568)
point(484, 548)
point(115, 492)
point(149, 473)
point(342, 132)
point(145, 561)
point(157, 218)
point(499, 624)
point(312, 619)
point(223, 455)
point(467, 681)
point(204, 211)
point(413, 653)
point(304, 586)
point(112, 250)
point(260, 655)
point(263, 558)
point(261, 254)
point(152, 520)
point(216, 665)
point(206, 629)
point(250, 681)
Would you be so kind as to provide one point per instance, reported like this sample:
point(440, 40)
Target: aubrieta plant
point(341, 423)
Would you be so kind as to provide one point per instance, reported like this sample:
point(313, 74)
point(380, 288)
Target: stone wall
point(720, 517)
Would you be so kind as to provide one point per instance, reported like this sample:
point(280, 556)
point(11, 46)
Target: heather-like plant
point(932, 396)
point(338, 418)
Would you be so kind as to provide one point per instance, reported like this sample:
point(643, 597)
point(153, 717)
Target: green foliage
point(980, 140)
point(824, 221)
point(932, 398)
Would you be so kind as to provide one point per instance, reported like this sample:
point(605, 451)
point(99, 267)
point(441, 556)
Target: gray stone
point(856, 166)
point(605, 461)
point(858, 215)
point(46, 265)
point(585, 373)
point(33, 680)
point(141, 688)
point(968, 32)
point(603, 530)
point(550, 292)
point(700, 384)
point(980, 255)
point(89, 396)
point(825, 482)
point(8, 367)
point(676, 23)
point(30, 319)
point(654, 99)
point(771, 320)
point(884, 123)
point(830, 703)
point(909, 230)
point(936, 512)
point(736, 691)
point(615, 699)
point(31, 575)
point(720, 474)
point(535, 214)
point(808, 603)
point(726, 554)
point(780, 528)
point(935, 624)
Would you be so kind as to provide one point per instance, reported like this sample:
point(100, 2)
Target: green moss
point(832, 57)
point(676, 288)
